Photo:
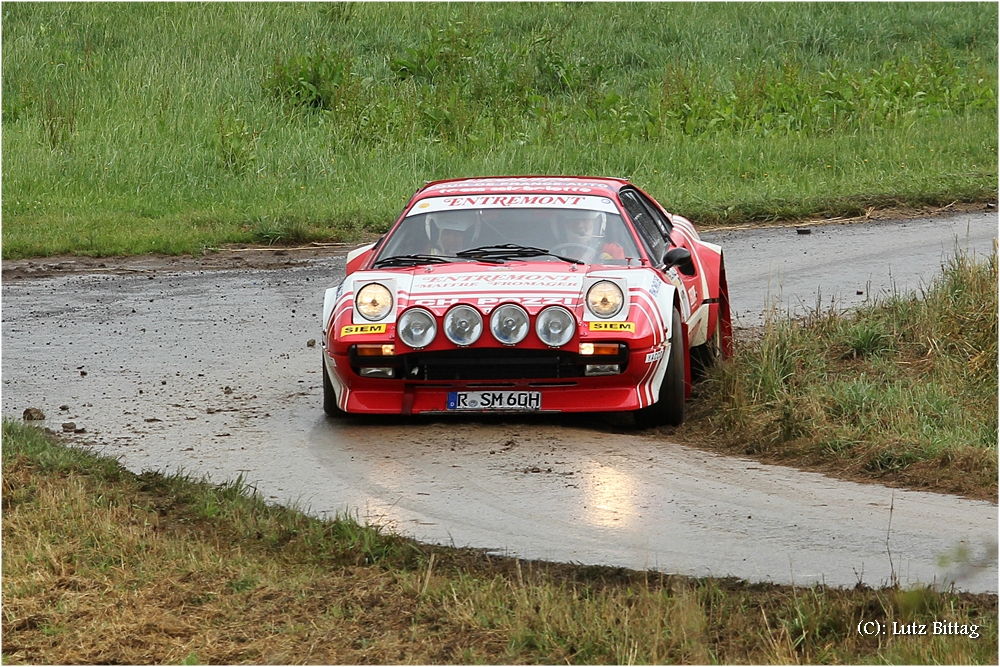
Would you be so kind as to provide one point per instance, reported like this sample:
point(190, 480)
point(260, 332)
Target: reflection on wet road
point(611, 497)
point(544, 489)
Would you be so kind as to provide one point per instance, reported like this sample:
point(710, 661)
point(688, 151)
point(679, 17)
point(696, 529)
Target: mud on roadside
point(226, 258)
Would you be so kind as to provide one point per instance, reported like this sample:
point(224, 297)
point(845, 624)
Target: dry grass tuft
point(903, 391)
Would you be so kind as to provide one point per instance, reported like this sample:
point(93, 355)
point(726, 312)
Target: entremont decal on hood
point(497, 282)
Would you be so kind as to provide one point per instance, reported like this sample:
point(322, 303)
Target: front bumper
point(421, 383)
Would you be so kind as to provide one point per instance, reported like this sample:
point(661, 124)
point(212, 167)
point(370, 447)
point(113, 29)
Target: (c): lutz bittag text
point(934, 628)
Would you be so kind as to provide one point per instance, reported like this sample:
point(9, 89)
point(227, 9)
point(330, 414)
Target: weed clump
point(318, 81)
point(903, 389)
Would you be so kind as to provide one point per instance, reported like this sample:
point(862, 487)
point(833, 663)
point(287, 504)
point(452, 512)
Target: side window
point(645, 224)
point(661, 220)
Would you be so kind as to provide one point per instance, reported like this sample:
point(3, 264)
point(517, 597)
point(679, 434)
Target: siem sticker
point(613, 326)
point(354, 329)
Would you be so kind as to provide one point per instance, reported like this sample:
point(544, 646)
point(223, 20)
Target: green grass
point(104, 566)
point(902, 390)
point(177, 127)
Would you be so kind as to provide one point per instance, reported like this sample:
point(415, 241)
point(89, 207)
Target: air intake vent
point(480, 364)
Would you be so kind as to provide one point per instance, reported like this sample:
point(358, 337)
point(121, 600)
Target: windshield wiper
point(411, 260)
point(417, 260)
point(511, 251)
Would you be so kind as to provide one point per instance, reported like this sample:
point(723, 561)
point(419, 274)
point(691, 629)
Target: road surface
point(211, 373)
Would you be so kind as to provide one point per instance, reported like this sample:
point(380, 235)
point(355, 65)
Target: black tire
point(668, 410)
point(330, 397)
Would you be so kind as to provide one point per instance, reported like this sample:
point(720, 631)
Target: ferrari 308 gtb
point(526, 294)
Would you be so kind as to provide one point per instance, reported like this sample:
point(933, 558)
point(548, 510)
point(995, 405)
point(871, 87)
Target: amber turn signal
point(590, 349)
point(376, 350)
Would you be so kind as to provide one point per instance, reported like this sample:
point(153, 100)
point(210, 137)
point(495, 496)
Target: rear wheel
point(668, 410)
point(705, 356)
point(719, 344)
point(330, 406)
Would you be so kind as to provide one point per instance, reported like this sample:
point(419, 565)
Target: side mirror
point(681, 258)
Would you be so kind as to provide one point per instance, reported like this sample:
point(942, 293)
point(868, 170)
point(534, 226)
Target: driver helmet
point(454, 220)
point(580, 225)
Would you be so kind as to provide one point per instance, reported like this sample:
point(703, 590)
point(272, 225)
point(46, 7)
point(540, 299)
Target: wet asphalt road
point(211, 373)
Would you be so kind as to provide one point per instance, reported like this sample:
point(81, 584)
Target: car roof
point(522, 184)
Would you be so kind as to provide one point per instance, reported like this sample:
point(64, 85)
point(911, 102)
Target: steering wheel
point(579, 251)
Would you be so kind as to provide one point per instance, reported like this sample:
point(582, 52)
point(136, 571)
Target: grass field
point(102, 566)
point(173, 127)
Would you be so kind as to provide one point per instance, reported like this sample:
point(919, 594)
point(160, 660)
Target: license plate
point(495, 400)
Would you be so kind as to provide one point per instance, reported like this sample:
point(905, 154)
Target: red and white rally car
point(544, 294)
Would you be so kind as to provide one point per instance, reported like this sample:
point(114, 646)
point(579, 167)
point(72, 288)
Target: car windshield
point(541, 234)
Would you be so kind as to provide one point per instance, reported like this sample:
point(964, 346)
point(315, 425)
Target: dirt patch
point(228, 257)
point(871, 215)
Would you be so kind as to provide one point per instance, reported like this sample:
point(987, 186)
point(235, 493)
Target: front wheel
point(668, 410)
point(330, 406)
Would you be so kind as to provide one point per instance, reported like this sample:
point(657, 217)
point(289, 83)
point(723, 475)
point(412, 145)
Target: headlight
point(555, 326)
point(509, 324)
point(373, 302)
point(605, 299)
point(463, 325)
point(416, 328)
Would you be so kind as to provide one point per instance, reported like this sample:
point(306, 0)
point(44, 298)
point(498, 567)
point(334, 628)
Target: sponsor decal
point(355, 329)
point(534, 300)
point(442, 302)
point(489, 301)
point(504, 281)
point(512, 200)
point(613, 326)
point(481, 201)
point(692, 294)
point(655, 355)
point(654, 289)
point(675, 280)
